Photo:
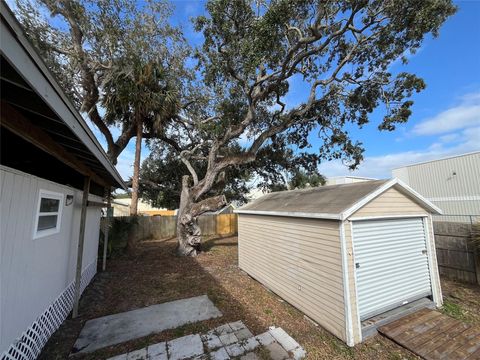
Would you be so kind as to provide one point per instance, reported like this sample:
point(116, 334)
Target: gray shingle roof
point(333, 199)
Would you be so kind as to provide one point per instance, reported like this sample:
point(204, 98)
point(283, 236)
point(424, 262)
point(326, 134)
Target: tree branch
point(210, 204)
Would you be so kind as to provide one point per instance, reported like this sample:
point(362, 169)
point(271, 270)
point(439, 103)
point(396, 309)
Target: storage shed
point(342, 254)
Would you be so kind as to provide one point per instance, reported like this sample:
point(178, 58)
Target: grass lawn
point(154, 275)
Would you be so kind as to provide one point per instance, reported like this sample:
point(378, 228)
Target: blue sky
point(446, 115)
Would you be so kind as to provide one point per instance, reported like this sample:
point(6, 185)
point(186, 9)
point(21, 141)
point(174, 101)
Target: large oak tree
point(341, 51)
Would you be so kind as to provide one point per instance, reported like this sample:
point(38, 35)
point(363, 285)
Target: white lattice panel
point(29, 345)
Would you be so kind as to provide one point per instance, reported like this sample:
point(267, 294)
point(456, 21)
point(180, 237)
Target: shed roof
point(329, 202)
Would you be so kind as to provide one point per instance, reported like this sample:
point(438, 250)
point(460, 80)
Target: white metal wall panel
point(391, 263)
point(451, 183)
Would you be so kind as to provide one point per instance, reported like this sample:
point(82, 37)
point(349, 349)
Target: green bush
point(119, 229)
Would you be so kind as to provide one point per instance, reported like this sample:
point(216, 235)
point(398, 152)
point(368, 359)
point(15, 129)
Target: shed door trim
point(390, 253)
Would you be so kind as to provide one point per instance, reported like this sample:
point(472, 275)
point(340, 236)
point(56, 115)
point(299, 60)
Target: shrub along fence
point(163, 227)
point(457, 253)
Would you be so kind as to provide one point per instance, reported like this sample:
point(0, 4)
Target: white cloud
point(382, 166)
point(462, 116)
point(449, 138)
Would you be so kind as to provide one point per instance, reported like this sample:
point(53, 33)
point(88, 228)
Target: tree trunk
point(188, 231)
point(136, 169)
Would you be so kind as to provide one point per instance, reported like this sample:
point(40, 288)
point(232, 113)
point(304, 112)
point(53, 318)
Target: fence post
point(476, 250)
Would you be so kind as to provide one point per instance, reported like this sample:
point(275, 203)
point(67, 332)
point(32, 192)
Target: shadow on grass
point(216, 242)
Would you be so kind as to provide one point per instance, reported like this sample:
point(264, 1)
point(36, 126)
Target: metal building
point(337, 180)
point(452, 183)
point(343, 254)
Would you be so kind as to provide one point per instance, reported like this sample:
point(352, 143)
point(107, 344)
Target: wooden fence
point(458, 258)
point(163, 227)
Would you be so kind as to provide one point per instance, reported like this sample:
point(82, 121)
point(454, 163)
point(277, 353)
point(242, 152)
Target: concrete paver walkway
point(222, 343)
point(122, 327)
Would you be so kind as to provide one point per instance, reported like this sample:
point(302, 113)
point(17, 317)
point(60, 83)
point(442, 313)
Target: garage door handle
point(357, 265)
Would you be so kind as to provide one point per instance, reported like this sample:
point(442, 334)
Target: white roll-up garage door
point(391, 263)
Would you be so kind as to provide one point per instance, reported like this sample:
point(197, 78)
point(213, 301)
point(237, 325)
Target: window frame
point(46, 194)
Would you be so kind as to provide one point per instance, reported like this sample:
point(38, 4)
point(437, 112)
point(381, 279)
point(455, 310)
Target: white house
point(53, 175)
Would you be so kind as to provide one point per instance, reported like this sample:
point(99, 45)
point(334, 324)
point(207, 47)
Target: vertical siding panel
point(24, 231)
point(5, 203)
point(7, 245)
point(18, 254)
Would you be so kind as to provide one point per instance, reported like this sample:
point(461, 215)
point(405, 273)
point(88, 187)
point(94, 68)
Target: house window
point(49, 214)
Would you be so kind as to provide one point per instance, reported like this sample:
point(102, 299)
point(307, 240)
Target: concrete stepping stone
point(265, 339)
point(287, 342)
point(235, 349)
point(237, 325)
point(137, 355)
point(284, 339)
point(118, 328)
point(221, 343)
point(220, 354)
point(212, 341)
point(228, 339)
point(243, 334)
point(250, 344)
point(223, 330)
point(185, 347)
point(157, 351)
point(277, 352)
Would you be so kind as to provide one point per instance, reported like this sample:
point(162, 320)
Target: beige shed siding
point(391, 202)
point(300, 260)
point(356, 327)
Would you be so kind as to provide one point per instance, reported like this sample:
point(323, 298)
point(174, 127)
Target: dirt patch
point(155, 275)
point(461, 301)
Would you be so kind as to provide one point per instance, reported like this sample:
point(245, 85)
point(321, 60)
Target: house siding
point(34, 272)
point(300, 260)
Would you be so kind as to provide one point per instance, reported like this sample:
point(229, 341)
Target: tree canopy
point(113, 58)
point(342, 52)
